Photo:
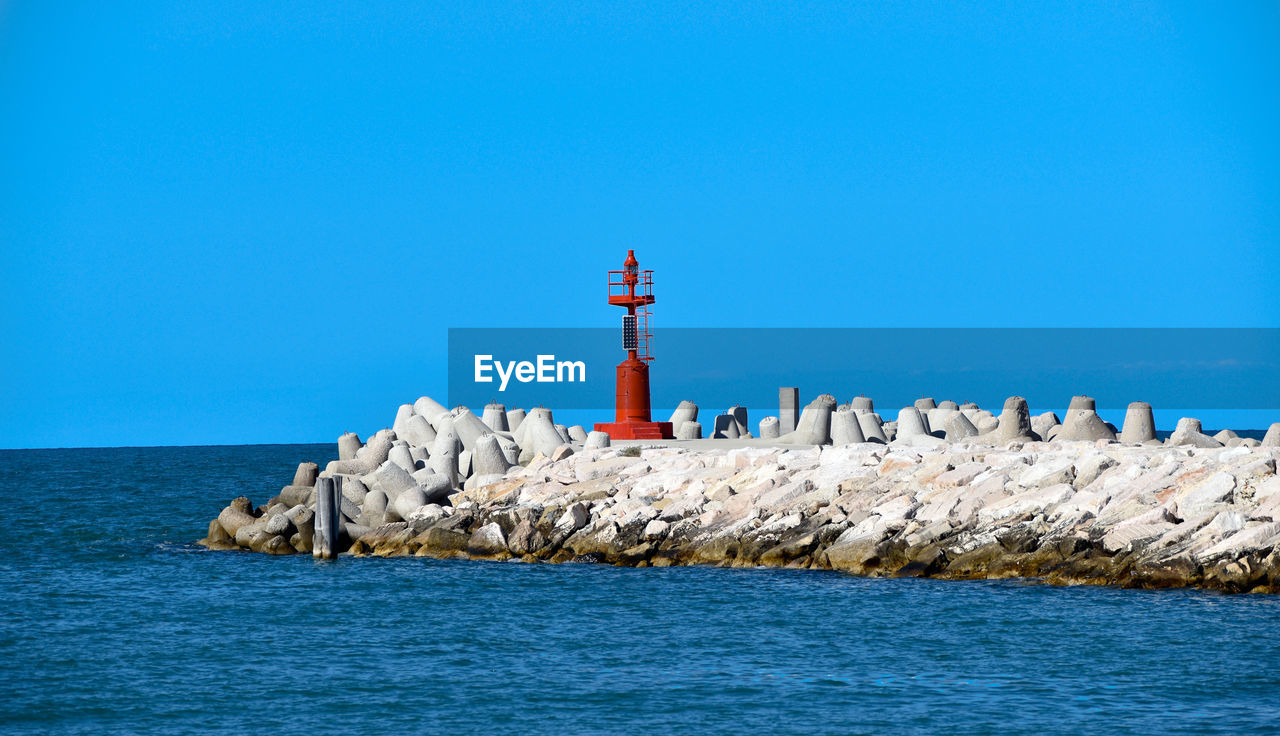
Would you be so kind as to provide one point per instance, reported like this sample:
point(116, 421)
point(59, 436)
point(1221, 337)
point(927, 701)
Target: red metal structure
point(633, 289)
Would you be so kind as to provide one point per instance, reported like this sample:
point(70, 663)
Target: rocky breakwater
point(1191, 512)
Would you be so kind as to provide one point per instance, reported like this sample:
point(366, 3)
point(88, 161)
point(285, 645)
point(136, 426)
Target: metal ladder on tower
point(643, 336)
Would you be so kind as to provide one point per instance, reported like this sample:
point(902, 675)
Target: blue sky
point(254, 221)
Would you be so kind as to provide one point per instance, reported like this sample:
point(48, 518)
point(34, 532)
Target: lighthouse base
point(637, 430)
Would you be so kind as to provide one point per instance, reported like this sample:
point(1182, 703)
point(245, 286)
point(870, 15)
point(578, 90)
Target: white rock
point(1262, 536)
point(1121, 537)
point(656, 529)
point(573, 518)
point(1211, 495)
point(429, 513)
point(489, 537)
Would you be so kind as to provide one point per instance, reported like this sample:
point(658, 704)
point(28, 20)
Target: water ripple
point(112, 622)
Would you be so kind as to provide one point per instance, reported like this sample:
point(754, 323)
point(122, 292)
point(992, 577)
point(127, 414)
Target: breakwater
point(987, 496)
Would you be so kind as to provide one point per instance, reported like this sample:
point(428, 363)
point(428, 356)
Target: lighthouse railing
point(619, 287)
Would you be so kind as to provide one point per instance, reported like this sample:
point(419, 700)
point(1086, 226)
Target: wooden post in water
point(325, 544)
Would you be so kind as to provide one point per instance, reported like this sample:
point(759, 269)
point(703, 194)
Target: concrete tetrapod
point(305, 475)
point(1083, 422)
point(563, 431)
point(393, 479)
point(936, 419)
point(354, 490)
point(429, 409)
point(1190, 432)
point(374, 509)
point(577, 433)
point(348, 445)
point(540, 435)
point(769, 428)
point(1139, 423)
point(926, 404)
point(404, 504)
point(375, 451)
point(862, 405)
point(910, 423)
point(985, 421)
point(597, 439)
point(444, 425)
point(1042, 423)
point(495, 417)
point(469, 427)
point(1015, 422)
point(510, 449)
point(844, 426)
point(417, 431)
point(1272, 437)
point(687, 411)
point(402, 456)
point(539, 413)
point(958, 427)
point(521, 429)
point(1079, 404)
point(689, 431)
point(402, 417)
point(435, 488)
point(739, 414)
point(1087, 426)
point(445, 452)
point(912, 428)
point(725, 428)
point(488, 458)
point(814, 427)
point(514, 417)
point(871, 426)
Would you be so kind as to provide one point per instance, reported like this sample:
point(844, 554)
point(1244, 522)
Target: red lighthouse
point(633, 289)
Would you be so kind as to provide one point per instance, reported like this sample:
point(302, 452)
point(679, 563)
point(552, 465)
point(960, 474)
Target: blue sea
point(114, 622)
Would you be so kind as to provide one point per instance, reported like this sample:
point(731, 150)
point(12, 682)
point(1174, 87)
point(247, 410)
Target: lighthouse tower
point(632, 289)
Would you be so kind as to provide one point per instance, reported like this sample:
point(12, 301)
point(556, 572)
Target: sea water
point(112, 621)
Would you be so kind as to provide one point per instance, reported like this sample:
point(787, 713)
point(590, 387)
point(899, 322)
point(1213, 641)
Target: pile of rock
point(406, 471)
point(946, 490)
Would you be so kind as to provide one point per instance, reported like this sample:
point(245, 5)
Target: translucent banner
point(574, 368)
